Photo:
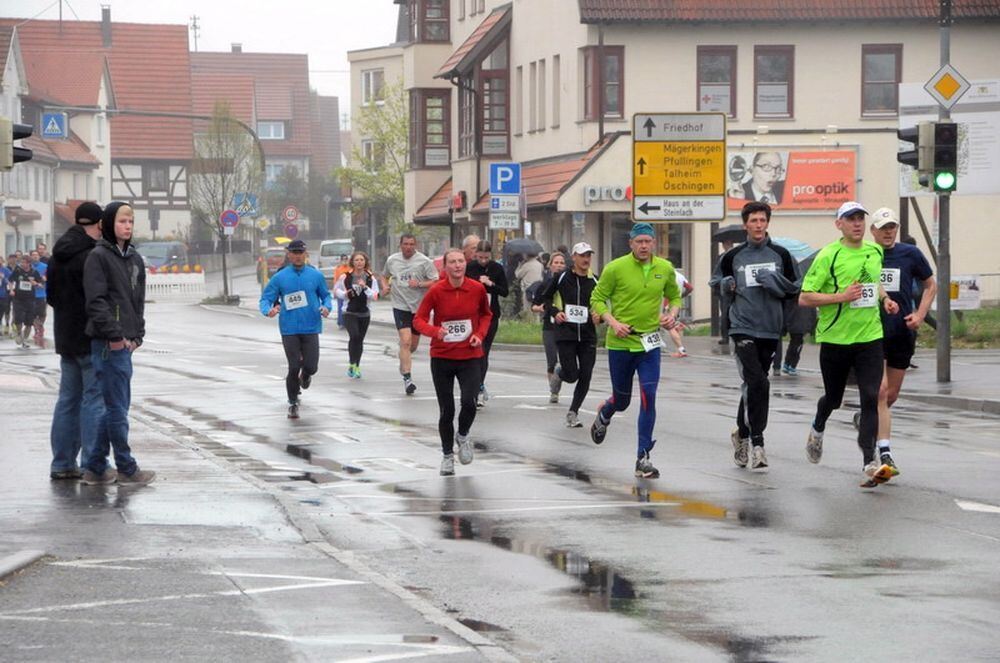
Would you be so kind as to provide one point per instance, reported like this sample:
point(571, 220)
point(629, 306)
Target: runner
point(24, 280)
point(41, 305)
point(406, 277)
point(487, 271)
point(567, 297)
point(556, 267)
point(302, 297)
point(343, 267)
point(843, 282)
point(462, 319)
point(5, 312)
point(635, 285)
point(903, 267)
point(676, 334)
point(759, 276)
point(358, 287)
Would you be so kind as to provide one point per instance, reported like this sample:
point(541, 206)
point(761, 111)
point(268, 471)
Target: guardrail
point(175, 287)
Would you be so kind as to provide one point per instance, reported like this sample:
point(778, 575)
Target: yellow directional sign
point(679, 166)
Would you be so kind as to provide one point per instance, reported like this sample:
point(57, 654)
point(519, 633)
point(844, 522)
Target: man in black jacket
point(79, 407)
point(568, 298)
point(490, 273)
point(114, 281)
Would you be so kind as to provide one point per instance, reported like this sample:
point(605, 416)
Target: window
point(881, 71)
point(271, 130)
point(156, 175)
point(461, 9)
point(774, 84)
point(272, 171)
point(532, 96)
point(556, 90)
point(100, 188)
point(542, 89)
point(717, 79)
point(519, 102)
point(484, 95)
point(603, 85)
point(101, 120)
point(429, 20)
point(372, 154)
point(430, 129)
point(372, 86)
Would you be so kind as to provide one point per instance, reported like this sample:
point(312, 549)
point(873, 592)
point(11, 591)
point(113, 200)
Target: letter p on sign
point(505, 178)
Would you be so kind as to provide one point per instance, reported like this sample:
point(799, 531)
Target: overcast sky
point(323, 29)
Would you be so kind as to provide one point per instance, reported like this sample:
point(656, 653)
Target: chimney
point(237, 48)
point(106, 25)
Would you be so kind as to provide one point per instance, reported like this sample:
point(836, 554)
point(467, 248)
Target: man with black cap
point(114, 281)
point(843, 282)
point(80, 406)
point(636, 286)
point(299, 294)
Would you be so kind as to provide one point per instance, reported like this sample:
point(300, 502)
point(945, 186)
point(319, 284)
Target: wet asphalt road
point(548, 546)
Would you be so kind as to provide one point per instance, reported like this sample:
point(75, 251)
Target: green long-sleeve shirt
point(635, 292)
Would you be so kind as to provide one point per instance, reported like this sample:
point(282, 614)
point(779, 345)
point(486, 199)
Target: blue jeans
point(113, 370)
point(623, 365)
point(79, 411)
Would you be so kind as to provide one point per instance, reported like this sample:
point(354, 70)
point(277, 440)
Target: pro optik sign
point(594, 193)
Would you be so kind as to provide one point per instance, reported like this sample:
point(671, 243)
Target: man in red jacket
point(462, 317)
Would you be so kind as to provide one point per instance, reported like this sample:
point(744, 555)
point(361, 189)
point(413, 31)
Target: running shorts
point(898, 350)
point(404, 319)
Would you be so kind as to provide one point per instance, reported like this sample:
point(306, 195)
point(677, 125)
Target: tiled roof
point(281, 92)
point(683, 11)
point(150, 70)
point(326, 135)
point(437, 206)
point(236, 91)
point(465, 55)
point(69, 151)
point(68, 77)
point(6, 36)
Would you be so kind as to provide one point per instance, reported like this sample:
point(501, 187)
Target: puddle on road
point(877, 566)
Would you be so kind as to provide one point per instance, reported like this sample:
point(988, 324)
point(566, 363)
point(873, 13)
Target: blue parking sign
point(505, 178)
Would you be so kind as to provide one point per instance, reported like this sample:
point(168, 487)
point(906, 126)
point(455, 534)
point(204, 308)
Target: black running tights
point(444, 372)
point(302, 352)
point(836, 362)
point(357, 328)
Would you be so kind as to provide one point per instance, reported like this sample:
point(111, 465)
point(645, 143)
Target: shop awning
point(475, 47)
point(16, 215)
point(437, 209)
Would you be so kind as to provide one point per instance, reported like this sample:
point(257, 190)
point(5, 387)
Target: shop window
point(430, 128)
point(774, 81)
point(717, 79)
point(603, 83)
point(881, 71)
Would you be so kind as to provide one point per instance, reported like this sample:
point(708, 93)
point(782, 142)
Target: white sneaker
point(740, 445)
point(465, 450)
point(448, 465)
point(553, 397)
point(814, 445)
point(759, 461)
point(573, 420)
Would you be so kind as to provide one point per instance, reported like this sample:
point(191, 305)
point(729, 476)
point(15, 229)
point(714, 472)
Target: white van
point(330, 251)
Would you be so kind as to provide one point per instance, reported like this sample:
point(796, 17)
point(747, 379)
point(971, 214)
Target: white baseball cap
point(582, 248)
point(882, 217)
point(850, 208)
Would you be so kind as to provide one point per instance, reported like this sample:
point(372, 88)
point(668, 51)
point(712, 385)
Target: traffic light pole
point(944, 228)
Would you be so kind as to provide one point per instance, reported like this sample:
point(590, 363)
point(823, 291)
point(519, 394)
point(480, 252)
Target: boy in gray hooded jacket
point(757, 276)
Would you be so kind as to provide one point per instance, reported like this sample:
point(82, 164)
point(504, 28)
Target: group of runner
point(863, 291)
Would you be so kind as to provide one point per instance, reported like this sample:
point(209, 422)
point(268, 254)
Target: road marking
point(560, 507)
point(527, 406)
point(977, 506)
point(242, 369)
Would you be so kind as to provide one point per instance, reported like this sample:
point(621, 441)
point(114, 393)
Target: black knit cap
point(88, 213)
point(108, 228)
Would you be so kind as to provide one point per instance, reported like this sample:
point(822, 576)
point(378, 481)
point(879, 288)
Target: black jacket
point(65, 291)
point(115, 285)
point(495, 272)
point(570, 288)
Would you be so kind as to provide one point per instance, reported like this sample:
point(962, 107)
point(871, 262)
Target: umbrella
point(799, 249)
point(734, 233)
point(522, 245)
point(282, 240)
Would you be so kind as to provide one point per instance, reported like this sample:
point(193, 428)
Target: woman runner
point(556, 266)
point(357, 288)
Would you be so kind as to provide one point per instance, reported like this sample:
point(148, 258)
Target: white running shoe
point(759, 461)
point(448, 465)
point(465, 450)
point(573, 420)
point(740, 445)
point(814, 445)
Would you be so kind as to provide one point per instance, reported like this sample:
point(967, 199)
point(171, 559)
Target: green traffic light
point(944, 181)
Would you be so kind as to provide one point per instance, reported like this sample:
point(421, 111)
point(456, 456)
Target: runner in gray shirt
point(406, 277)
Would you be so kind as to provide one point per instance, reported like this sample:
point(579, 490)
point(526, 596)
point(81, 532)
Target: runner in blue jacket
point(298, 293)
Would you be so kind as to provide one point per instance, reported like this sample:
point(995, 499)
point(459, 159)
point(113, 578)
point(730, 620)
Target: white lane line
point(977, 506)
point(528, 509)
point(242, 369)
point(423, 477)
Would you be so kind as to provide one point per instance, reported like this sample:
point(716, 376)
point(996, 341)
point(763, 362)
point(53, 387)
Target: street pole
point(944, 229)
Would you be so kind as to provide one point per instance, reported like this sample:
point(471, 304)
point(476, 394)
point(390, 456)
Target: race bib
point(576, 314)
point(751, 272)
point(24, 285)
point(890, 279)
point(651, 341)
point(456, 331)
point(869, 296)
point(294, 300)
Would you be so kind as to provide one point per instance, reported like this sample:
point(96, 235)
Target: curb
point(13, 563)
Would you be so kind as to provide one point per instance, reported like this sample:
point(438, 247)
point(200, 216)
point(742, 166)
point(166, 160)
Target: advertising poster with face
point(791, 180)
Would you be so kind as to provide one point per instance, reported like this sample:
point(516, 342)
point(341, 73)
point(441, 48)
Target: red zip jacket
point(451, 307)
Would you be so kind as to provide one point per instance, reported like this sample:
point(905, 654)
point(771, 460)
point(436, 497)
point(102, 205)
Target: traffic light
point(920, 158)
point(945, 167)
point(10, 153)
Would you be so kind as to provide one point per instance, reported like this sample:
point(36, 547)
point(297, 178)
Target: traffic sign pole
point(944, 227)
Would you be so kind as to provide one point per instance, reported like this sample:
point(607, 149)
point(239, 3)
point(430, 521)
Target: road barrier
point(175, 287)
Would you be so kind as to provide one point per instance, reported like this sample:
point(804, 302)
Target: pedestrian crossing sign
point(245, 204)
point(54, 125)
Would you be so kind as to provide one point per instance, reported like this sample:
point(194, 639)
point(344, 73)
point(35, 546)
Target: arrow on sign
point(649, 126)
point(646, 207)
point(642, 166)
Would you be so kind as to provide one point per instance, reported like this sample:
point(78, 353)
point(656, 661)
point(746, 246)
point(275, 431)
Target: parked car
point(270, 261)
point(163, 254)
point(330, 251)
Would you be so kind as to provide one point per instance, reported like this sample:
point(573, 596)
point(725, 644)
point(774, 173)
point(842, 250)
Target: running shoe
point(759, 460)
point(555, 384)
point(480, 400)
point(740, 445)
point(790, 370)
point(357, 372)
point(814, 445)
point(448, 465)
point(886, 459)
point(680, 354)
point(408, 386)
point(573, 420)
point(465, 450)
point(305, 379)
point(598, 429)
point(644, 468)
point(293, 411)
point(553, 397)
point(856, 419)
point(875, 474)
point(350, 371)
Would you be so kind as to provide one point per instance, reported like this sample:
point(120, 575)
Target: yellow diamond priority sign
point(947, 86)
